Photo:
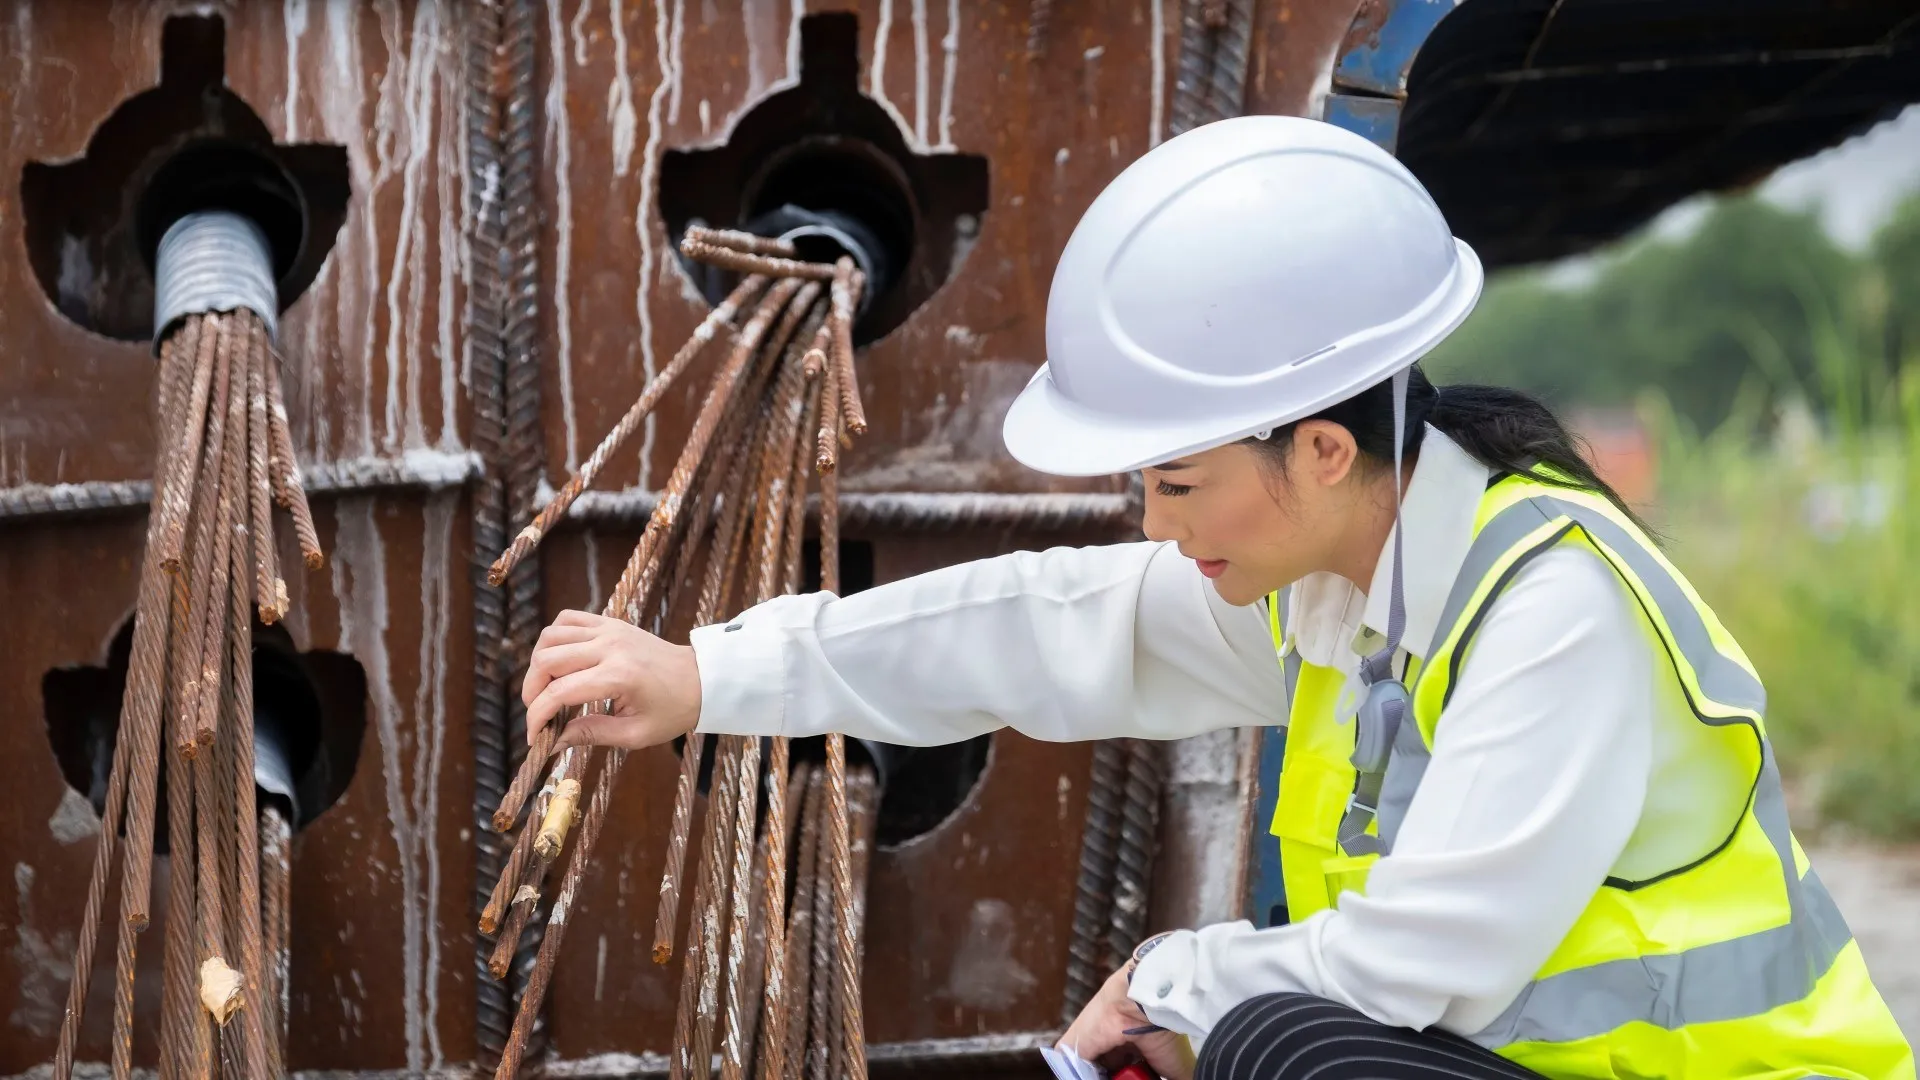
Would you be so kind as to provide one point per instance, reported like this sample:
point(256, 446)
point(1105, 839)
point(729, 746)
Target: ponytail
point(1505, 430)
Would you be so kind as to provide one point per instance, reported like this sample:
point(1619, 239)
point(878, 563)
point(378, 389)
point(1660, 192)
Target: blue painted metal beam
point(1376, 118)
point(1266, 902)
point(1381, 44)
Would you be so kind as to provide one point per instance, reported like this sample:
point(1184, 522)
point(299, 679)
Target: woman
point(1528, 820)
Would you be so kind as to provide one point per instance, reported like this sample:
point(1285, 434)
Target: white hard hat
point(1240, 276)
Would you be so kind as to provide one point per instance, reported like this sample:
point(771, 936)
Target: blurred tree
point(1697, 316)
point(1896, 258)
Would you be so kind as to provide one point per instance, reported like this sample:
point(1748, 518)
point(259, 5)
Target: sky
point(1858, 183)
point(1854, 185)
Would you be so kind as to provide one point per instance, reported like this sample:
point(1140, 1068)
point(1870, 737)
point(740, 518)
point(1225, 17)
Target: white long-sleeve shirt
point(1561, 759)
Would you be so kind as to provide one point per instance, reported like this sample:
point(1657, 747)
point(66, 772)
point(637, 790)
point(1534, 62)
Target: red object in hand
point(1134, 1072)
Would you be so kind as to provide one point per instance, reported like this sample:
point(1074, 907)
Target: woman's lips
point(1212, 568)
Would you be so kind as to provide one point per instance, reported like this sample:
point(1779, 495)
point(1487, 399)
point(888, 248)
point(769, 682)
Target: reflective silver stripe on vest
point(1725, 980)
point(1721, 678)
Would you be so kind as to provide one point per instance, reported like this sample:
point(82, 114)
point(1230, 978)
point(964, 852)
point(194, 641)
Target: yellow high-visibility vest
point(1737, 965)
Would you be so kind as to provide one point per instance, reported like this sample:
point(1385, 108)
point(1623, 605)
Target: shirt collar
point(1331, 621)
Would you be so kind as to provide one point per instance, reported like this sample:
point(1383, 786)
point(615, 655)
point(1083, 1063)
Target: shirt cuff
point(742, 677)
point(1162, 983)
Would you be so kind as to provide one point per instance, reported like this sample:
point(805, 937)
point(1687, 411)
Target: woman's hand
point(653, 686)
point(1110, 1028)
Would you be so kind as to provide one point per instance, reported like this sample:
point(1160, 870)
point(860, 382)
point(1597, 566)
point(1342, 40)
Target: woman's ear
point(1323, 453)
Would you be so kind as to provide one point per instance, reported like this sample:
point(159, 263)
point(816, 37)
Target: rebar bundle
point(225, 458)
point(726, 532)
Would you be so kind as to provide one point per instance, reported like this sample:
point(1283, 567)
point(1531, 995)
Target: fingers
point(582, 619)
point(551, 662)
point(564, 634)
point(587, 729)
point(575, 689)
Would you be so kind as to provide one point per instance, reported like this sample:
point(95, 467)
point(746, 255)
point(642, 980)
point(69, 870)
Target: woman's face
point(1252, 523)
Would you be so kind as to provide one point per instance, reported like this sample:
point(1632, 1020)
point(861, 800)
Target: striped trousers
point(1296, 1036)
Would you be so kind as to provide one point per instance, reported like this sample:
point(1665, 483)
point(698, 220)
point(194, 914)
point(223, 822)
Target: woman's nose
point(1160, 522)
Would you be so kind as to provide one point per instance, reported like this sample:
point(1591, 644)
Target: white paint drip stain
point(1157, 111)
point(417, 94)
point(676, 37)
point(950, 65)
point(294, 16)
point(759, 24)
point(374, 309)
point(877, 74)
point(620, 94)
point(579, 28)
point(410, 755)
point(643, 219)
point(430, 712)
point(921, 68)
point(600, 971)
point(799, 11)
point(559, 150)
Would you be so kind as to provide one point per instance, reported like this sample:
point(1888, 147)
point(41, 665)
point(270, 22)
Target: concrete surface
point(1878, 890)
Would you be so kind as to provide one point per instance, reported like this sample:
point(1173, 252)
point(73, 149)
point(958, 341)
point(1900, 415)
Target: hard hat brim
point(1048, 432)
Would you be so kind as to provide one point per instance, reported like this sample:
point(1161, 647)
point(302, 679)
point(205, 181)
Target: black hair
point(1505, 430)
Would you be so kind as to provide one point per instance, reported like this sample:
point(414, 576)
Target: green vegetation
point(1780, 379)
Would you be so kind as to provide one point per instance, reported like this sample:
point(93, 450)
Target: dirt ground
point(1878, 890)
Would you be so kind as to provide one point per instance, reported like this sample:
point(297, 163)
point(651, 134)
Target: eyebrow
point(1172, 466)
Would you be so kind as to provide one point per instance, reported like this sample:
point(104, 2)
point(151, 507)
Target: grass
point(1807, 543)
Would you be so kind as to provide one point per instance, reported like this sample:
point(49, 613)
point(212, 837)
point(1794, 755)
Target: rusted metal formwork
point(488, 276)
point(420, 305)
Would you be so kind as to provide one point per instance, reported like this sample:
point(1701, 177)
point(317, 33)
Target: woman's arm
point(1066, 644)
point(1538, 776)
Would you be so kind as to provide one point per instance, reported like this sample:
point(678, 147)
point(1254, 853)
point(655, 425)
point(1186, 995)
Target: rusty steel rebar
point(508, 883)
point(260, 1043)
point(288, 488)
point(270, 592)
point(733, 1045)
point(737, 494)
point(217, 520)
point(177, 999)
point(712, 918)
point(727, 528)
point(540, 747)
point(847, 283)
point(743, 262)
point(145, 666)
point(743, 241)
point(863, 800)
point(189, 689)
point(783, 1037)
point(542, 974)
point(826, 436)
point(173, 494)
point(822, 1034)
point(845, 1003)
point(276, 874)
point(679, 1059)
point(649, 399)
point(142, 742)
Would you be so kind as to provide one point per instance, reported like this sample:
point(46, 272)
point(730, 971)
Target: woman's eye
point(1174, 490)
